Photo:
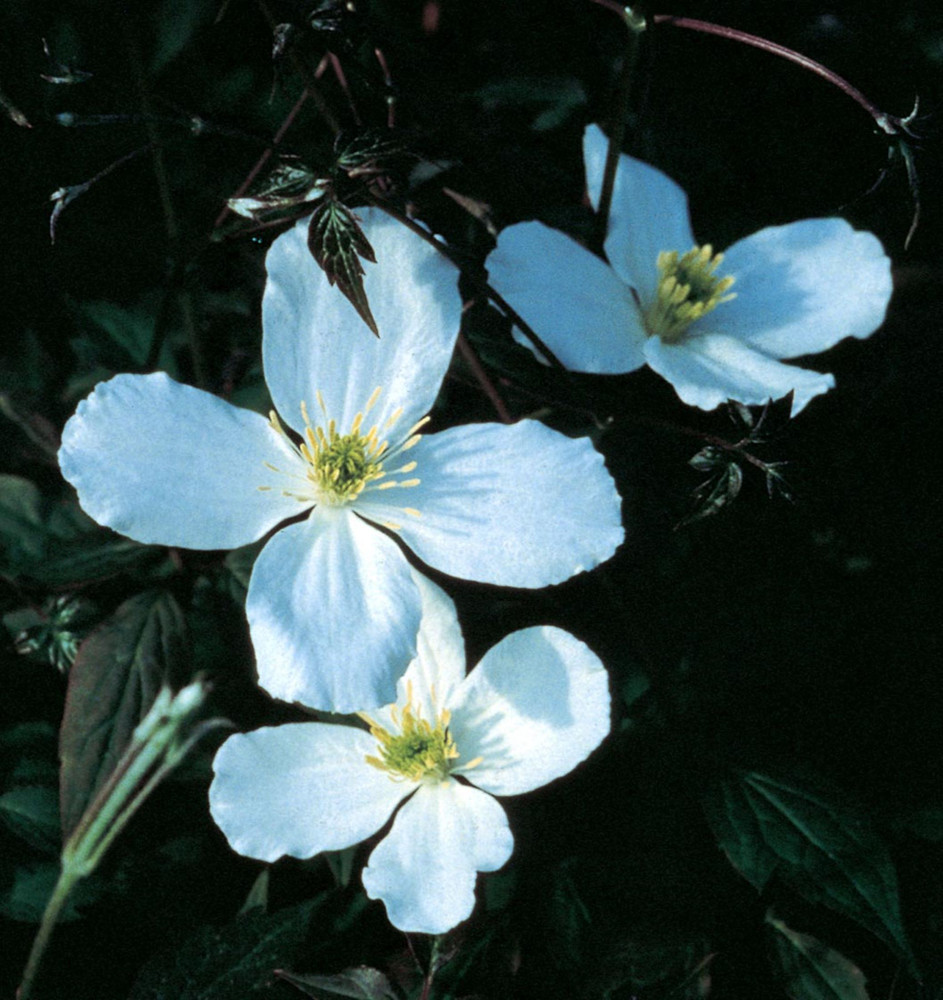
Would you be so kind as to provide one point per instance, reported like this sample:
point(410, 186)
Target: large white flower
point(534, 707)
point(333, 609)
point(714, 325)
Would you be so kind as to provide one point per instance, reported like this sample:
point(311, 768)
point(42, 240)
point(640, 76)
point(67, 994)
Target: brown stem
point(483, 285)
point(388, 83)
point(483, 379)
point(265, 157)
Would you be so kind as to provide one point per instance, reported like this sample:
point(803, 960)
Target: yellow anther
point(688, 288)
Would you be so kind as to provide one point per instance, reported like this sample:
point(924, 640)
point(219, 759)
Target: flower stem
point(156, 747)
point(635, 25)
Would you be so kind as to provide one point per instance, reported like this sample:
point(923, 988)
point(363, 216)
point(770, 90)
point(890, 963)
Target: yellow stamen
point(688, 288)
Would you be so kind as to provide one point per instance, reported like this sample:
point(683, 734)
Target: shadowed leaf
point(360, 983)
point(223, 963)
point(821, 845)
point(117, 673)
point(810, 970)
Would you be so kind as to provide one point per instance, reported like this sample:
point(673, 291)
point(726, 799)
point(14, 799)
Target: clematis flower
point(716, 326)
point(535, 706)
point(332, 605)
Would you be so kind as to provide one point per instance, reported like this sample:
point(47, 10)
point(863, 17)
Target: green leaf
point(360, 983)
point(810, 970)
point(95, 555)
point(116, 675)
point(820, 844)
point(32, 813)
point(21, 527)
point(337, 243)
point(177, 21)
point(237, 960)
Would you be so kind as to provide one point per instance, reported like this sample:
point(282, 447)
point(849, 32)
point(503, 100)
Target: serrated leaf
point(715, 494)
point(360, 983)
point(116, 675)
point(337, 244)
point(289, 185)
point(360, 153)
point(810, 970)
point(820, 844)
point(221, 963)
point(32, 813)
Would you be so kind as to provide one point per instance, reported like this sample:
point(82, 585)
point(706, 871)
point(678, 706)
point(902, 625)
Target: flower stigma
point(340, 467)
point(417, 750)
point(688, 288)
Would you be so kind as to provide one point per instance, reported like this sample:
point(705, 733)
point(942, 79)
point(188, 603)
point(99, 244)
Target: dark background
point(802, 637)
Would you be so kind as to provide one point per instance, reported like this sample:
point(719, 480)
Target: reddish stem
point(488, 387)
point(890, 124)
point(265, 157)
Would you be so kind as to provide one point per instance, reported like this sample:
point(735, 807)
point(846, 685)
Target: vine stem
point(266, 153)
point(889, 124)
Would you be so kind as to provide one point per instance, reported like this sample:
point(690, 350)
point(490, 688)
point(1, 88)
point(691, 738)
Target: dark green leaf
point(116, 675)
point(176, 24)
point(32, 813)
point(94, 555)
point(820, 844)
point(809, 970)
point(21, 528)
point(337, 243)
point(222, 963)
point(360, 983)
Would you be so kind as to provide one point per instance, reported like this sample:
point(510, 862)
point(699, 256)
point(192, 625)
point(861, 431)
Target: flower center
point(688, 288)
point(417, 750)
point(341, 466)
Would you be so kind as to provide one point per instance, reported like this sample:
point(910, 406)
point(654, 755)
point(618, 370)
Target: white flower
point(713, 325)
point(534, 707)
point(332, 606)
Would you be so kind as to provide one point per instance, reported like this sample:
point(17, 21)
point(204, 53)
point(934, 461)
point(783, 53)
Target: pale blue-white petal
point(300, 789)
point(649, 213)
point(535, 707)
point(168, 464)
point(518, 506)
point(314, 340)
point(333, 613)
point(439, 666)
point(424, 869)
point(574, 301)
point(801, 288)
point(706, 370)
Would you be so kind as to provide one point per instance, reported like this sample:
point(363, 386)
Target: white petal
point(574, 301)
point(168, 464)
point(333, 613)
point(535, 707)
point(803, 287)
point(424, 869)
point(300, 789)
point(649, 213)
point(439, 666)
point(518, 506)
point(315, 340)
point(706, 370)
